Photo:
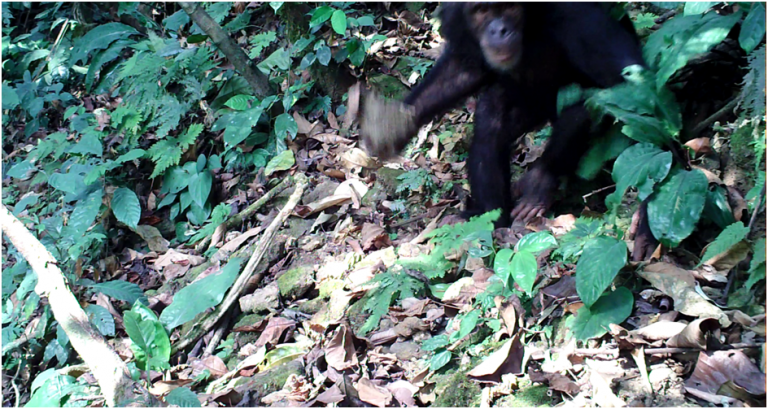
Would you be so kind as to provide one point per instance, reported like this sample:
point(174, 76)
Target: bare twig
point(584, 198)
point(712, 118)
point(245, 213)
point(248, 272)
point(109, 370)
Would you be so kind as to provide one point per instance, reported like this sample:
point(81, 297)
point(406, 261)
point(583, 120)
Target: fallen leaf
point(507, 359)
point(375, 395)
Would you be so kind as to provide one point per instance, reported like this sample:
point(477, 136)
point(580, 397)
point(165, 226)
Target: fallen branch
point(256, 79)
point(109, 370)
point(245, 214)
point(248, 272)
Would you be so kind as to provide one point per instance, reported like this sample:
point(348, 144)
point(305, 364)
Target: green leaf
point(717, 208)
point(440, 360)
point(100, 38)
point(126, 207)
point(200, 185)
point(175, 180)
point(150, 342)
point(758, 257)
point(728, 238)
point(324, 55)
point(536, 242)
point(283, 161)
point(285, 124)
point(320, 16)
point(524, 268)
point(88, 144)
point(611, 308)
point(697, 7)
point(676, 207)
point(604, 148)
point(753, 28)
point(435, 342)
point(707, 31)
point(598, 265)
point(502, 265)
point(182, 396)
point(642, 166)
point(667, 5)
point(200, 295)
point(366, 21)
point(339, 22)
point(755, 276)
point(121, 290)
point(10, 97)
point(239, 102)
point(84, 214)
point(102, 319)
point(468, 323)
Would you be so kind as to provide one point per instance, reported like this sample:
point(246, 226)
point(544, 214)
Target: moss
point(456, 390)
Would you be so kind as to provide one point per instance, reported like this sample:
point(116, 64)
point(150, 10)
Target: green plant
point(519, 265)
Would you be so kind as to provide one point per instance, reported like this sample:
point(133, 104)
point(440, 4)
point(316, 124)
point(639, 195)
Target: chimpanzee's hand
point(386, 126)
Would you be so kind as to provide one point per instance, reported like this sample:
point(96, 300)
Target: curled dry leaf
point(716, 368)
point(507, 359)
point(700, 146)
point(340, 351)
point(660, 330)
point(375, 395)
point(681, 286)
point(694, 335)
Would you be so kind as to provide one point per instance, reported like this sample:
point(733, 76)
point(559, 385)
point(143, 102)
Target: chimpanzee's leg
point(498, 123)
point(570, 140)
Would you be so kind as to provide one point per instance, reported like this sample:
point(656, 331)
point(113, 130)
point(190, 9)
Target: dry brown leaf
point(660, 330)
point(681, 286)
point(340, 351)
point(507, 359)
point(212, 363)
point(374, 237)
point(274, 330)
point(331, 395)
point(714, 369)
point(729, 258)
point(370, 393)
point(173, 256)
point(694, 335)
point(700, 146)
point(403, 392)
point(154, 239)
point(304, 125)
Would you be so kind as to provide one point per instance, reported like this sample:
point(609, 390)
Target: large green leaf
point(200, 185)
point(320, 16)
point(100, 38)
point(502, 265)
point(676, 207)
point(728, 238)
point(283, 161)
point(705, 32)
point(536, 242)
point(611, 308)
point(339, 22)
point(10, 97)
point(175, 180)
point(84, 214)
point(200, 295)
point(121, 290)
point(642, 166)
point(697, 7)
point(126, 207)
point(753, 28)
point(598, 265)
point(524, 268)
point(286, 125)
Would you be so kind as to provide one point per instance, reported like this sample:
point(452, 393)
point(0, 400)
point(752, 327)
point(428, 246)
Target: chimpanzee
point(516, 56)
